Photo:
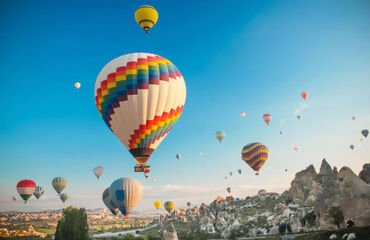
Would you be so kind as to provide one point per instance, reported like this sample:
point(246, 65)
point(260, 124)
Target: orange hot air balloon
point(243, 114)
point(304, 95)
point(267, 118)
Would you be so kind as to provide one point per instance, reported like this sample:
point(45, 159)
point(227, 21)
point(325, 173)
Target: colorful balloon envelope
point(26, 188)
point(243, 114)
point(188, 204)
point(255, 155)
point(108, 201)
point(77, 85)
point(228, 189)
point(296, 149)
point(261, 192)
point(146, 16)
point(126, 194)
point(220, 136)
point(38, 192)
point(146, 174)
point(304, 95)
point(98, 171)
point(59, 184)
point(178, 156)
point(237, 199)
point(157, 204)
point(365, 132)
point(63, 197)
point(14, 198)
point(169, 206)
point(267, 118)
point(239, 171)
point(140, 96)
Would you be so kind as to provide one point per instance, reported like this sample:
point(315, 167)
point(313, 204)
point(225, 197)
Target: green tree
point(73, 225)
point(335, 216)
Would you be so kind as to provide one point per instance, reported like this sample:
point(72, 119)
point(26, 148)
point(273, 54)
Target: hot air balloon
point(59, 184)
point(98, 171)
point(64, 197)
point(353, 118)
point(239, 171)
point(237, 199)
point(220, 135)
point(26, 188)
point(281, 132)
point(286, 170)
point(188, 204)
point(140, 96)
point(365, 132)
point(267, 118)
point(225, 178)
point(178, 156)
point(243, 114)
point(299, 117)
point(296, 149)
point(157, 204)
point(169, 206)
point(255, 155)
point(200, 154)
point(361, 139)
point(154, 180)
point(261, 192)
point(230, 173)
point(107, 199)
point(146, 16)
point(352, 147)
point(38, 192)
point(146, 174)
point(228, 189)
point(77, 85)
point(304, 95)
point(14, 198)
point(126, 194)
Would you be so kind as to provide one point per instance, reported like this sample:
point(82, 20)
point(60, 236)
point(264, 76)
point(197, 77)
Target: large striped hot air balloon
point(169, 206)
point(267, 118)
point(157, 204)
point(38, 192)
point(140, 96)
point(64, 197)
point(98, 171)
point(220, 135)
point(26, 188)
point(108, 201)
point(126, 194)
point(59, 184)
point(146, 16)
point(255, 155)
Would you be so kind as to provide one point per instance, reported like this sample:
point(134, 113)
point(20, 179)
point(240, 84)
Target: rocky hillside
point(303, 207)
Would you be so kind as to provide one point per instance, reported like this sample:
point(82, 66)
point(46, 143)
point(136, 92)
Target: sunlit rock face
point(169, 232)
point(365, 173)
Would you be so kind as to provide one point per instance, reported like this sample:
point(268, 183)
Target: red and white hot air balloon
point(14, 198)
point(296, 149)
point(304, 95)
point(267, 118)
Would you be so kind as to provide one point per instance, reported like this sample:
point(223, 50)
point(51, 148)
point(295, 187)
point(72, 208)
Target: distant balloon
point(353, 118)
point(261, 192)
point(299, 117)
point(228, 189)
point(352, 147)
point(14, 198)
point(146, 16)
point(188, 204)
point(267, 118)
point(38, 192)
point(239, 171)
point(365, 132)
point(26, 188)
point(361, 139)
point(281, 132)
point(243, 114)
point(220, 136)
point(237, 199)
point(157, 204)
point(304, 95)
point(146, 174)
point(178, 156)
point(255, 155)
point(59, 184)
point(169, 206)
point(230, 173)
point(225, 177)
point(64, 197)
point(108, 201)
point(98, 171)
point(200, 154)
point(296, 149)
point(126, 194)
point(154, 180)
point(286, 170)
point(77, 85)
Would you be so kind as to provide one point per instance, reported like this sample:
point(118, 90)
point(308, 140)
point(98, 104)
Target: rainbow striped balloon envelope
point(26, 188)
point(140, 96)
point(255, 155)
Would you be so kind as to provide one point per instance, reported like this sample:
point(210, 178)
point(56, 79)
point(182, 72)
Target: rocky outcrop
point(169, 232)
point(365, 173)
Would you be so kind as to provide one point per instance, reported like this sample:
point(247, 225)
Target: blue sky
point(251, 56)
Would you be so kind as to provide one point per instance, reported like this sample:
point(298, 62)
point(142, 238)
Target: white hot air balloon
point(126, 194)
point(98, 171)
point(154, 180)
point(77, 85)
point(140, 96)
point(201, 154)
point(107, 199)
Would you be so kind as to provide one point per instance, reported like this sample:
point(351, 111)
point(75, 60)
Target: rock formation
point(365, 173)
point(169, 232)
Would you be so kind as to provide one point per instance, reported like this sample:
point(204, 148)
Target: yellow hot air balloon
point(157, 204)
point(146, 16)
